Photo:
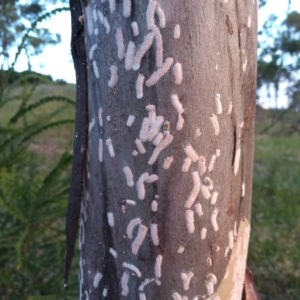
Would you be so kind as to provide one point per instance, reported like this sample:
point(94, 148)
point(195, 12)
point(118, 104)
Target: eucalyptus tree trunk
point(167, 182)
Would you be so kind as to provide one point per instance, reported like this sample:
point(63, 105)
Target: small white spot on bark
point(186, 278)
point(195, 190)
point(91, 125)
point(113, 76)
point(105, 292)
point(154, 205)
point(135, 153)
point(113, 252)
point(132, 268)
point(130, 202)
point(167, 162)
point(208, 183)
point(135, 28)
point(197, 133)
point(176, 32)
point(110, 219)
point(97, 278)
point(203, 233)
point(215, 123)
point(213, 219)
point(130, 120)
point(129, 176)
point(189, 217)
point(157, 267)
point(180, 250)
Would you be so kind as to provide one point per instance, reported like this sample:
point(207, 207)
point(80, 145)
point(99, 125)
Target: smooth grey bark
point(149, 230)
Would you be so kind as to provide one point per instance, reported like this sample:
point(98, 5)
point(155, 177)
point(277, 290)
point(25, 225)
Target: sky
point(57, 61)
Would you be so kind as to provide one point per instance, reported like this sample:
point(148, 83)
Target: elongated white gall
point(135, 28)
point(96, 70)
point(140, 146)
point(145, 46)
point(236, 163)
point(162, 145)
point(160, 72)
point(139, 86)
point(159, 137)
point(150, 13)
point(140, 186)
point(131, 225)
point(198, 209)
point(97, 278)
point(110, 147)
point(195, 190)
point(143, 135)
point(142, 232)
point(126, 8)
point(213, 219)
point(212, 163)
point(186, 164)
point(113, 252)
point(167, 162)
point(120, 43)
point(100, 150)
point(130, 120)
point(177, 72)
point(157, 267)
point(152, 178)
point(203, 233)
point(129, 56)
point(113, 76)
point(159, 46)
point(132, 268)
point(189, 217)
point(100, 117)
point(202, 165)
point(214, 198)
point(218, 104)
point(215, 123)
point(124, 283)
point(129, 176)
point(230, 105)
point(190, 152)
point(112, 6)
point(155, 128)
point(110, 219)
point(176, 32)
point(154, 234)
point(92, 50)
point(161, 16)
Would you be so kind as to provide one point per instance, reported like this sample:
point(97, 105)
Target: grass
point(274, 254)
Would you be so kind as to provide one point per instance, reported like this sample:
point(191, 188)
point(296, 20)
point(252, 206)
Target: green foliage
point(274, 253)
point(34, 183)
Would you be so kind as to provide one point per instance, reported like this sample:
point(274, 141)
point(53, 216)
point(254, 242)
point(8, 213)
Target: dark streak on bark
point(80, 140)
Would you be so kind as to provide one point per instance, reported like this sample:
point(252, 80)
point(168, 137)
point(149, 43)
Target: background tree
point(166, 164)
